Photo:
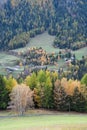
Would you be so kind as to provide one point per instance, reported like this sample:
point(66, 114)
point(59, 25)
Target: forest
point(22, 19)
point(44, 89)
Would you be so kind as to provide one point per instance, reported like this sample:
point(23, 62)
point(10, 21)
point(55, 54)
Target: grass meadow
point(6, 59)
point(45, 122)
point(46, 42)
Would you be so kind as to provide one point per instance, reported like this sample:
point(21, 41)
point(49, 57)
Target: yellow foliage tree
point(70, 85)
point(10, 83)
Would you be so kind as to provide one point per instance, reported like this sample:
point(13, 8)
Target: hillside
point(22, 19)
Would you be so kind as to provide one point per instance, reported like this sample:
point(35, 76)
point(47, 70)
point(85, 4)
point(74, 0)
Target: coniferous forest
point(22, 19)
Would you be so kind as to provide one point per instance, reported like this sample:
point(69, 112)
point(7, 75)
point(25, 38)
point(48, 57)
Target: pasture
point(46, 121)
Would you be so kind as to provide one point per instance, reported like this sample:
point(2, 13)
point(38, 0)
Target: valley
point(43, 64)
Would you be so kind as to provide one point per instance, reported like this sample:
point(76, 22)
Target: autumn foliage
point(43, 89)
point(21, 98)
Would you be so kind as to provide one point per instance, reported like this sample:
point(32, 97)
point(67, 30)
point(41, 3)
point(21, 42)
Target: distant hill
point(66, 19)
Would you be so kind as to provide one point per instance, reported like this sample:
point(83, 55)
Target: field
point(44, 40)
point(6, 60)
point(50, 121)
point(81, 52)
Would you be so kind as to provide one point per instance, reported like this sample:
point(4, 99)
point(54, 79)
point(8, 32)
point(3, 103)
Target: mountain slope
point(66, 19)
point(71, 17)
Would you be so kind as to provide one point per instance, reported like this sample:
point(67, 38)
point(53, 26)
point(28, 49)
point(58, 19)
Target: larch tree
point(47, 94)
point(10, 83)
point(31, 81)
point(59, 96)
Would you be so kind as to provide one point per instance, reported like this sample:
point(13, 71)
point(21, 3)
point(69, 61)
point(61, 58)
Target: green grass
point(7, 59)
point(45, 41)
point(46, 121)
point(81, 52)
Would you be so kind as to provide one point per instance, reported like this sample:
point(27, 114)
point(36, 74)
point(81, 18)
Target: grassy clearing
point(45, 41)
point(45, 122)
point(7, 59)
point(81, 52)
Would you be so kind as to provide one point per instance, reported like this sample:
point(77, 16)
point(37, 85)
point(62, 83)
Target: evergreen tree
point(59, 97)
point(4, 95)
point(78, 101)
